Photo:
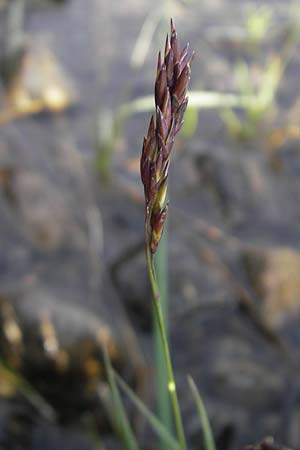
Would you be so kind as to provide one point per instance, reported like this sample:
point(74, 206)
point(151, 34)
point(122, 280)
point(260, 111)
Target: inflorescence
point(172, 79)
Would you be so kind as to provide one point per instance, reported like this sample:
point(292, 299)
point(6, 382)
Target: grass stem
point(164, 340)
point(163, 399)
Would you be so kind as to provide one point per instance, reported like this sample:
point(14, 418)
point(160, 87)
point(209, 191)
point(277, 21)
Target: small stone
point(274, 274)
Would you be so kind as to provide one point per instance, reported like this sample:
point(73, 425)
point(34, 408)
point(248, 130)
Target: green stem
point(160, 320)
point(162, 394)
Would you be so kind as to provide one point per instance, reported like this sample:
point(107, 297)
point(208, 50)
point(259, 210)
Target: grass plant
point(172, 79)
point(173, 75)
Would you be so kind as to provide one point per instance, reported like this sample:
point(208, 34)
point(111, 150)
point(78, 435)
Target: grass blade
point(120, 419)
point(209, 443)
point(156, 425)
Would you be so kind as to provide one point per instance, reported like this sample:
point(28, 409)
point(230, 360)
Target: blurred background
point(75, 99)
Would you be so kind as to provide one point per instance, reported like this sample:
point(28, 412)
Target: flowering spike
point(173, 75)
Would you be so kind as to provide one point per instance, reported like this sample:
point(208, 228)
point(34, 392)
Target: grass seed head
point(172, 79)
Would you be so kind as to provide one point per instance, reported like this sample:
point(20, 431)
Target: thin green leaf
point(156, 425)
point(209, 443)
point(120, 419)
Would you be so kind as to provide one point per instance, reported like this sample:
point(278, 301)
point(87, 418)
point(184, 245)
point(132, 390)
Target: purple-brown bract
point(172, 79)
